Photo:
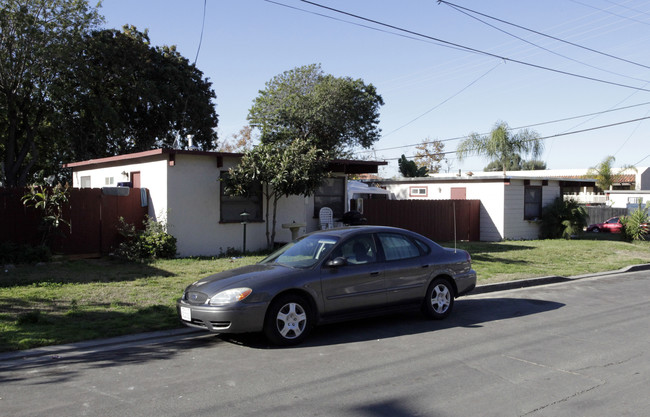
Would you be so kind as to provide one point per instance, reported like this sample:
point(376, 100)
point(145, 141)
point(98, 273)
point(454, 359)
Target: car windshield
point(303, 253)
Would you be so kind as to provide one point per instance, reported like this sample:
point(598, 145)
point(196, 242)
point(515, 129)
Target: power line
point(443, 102)
point(455, 6)
point(458, 9)
point(205, 5)
point(575, 132)
point(515, 128)
point(612, 13)
point(360, 25)
point(470, 49)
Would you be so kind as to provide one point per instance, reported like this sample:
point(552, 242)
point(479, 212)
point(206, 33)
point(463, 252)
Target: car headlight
point(230, 296)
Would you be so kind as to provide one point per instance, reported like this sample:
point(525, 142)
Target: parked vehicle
point(329, 276)
point(612, 225)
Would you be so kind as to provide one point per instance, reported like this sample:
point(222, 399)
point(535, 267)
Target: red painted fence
point(92, 214)
point(439, 220)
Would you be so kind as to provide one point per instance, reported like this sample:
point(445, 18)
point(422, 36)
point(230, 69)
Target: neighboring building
point(185, 192)
point(630, 199)
point(511, 205)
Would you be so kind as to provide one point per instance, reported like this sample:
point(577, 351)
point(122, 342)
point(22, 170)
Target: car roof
point(351, 230)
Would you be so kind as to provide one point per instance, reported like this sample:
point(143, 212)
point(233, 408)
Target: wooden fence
point(598, 214)
point(93, 216)
point(439, 220)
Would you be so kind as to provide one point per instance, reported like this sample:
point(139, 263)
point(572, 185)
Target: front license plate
point(186, 313)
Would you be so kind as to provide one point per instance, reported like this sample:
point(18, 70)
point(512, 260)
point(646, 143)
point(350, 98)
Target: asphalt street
point(574, 348)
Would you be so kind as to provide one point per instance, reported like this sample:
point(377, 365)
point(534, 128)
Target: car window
point(357, 250)
point(397, 246)
point(303, 253)
point(423, 246)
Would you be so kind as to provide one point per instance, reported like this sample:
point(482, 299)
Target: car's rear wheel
point(439, 299)
point(288, 320)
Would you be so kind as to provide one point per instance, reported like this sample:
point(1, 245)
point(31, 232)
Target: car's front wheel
point(288, 320)
point(439, 299)
point(595, 230)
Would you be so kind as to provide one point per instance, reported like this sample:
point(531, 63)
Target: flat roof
point(347, 166)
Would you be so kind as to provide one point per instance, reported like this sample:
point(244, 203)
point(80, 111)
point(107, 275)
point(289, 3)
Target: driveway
point(574, 348)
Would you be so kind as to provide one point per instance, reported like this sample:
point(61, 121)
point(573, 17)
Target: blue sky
point(432, 91)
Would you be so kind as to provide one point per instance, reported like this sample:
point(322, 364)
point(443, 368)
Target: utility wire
point(470, 49)
point(443, 102)
point(361, 25)
point(515, 128)
point(612, 13)
point(562, 134)
point(544, 34)
point(205, 5)
point(458, 9)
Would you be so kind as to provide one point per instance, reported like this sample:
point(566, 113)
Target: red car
point(612, 225)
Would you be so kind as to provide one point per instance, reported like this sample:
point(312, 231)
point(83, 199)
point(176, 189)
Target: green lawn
point(70, 301)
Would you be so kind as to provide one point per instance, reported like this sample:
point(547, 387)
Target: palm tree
point(500, 145)
point(604, 173)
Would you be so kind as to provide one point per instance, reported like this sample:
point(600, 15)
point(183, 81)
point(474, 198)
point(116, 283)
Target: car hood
point(251, 276)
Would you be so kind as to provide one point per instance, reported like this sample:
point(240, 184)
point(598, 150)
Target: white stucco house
point(511, 205)
point(185, 192)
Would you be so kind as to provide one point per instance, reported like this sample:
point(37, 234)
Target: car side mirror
point(336, 262)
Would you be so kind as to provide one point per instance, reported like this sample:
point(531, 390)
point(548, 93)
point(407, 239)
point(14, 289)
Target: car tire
point(289, 320)
point(439, 299)
point(595, 230)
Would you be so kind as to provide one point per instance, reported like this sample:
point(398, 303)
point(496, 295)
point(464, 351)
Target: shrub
point(151, 243)
point(562, 219)
point(12, 253)
point(635, 226)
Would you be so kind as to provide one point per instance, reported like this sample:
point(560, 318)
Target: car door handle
point(374, 273)
point(425, 266)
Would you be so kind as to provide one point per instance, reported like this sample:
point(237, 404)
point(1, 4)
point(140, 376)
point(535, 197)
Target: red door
point(135, 179)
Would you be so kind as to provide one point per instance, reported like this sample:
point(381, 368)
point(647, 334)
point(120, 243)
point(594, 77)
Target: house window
point(532, 202)
point(109, 181)
point(331, 194)
point(417, 191)
point(231, 207)
point(85, 181)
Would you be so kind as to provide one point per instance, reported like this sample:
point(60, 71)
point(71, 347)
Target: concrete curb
point(177, 334)
point(532, 282)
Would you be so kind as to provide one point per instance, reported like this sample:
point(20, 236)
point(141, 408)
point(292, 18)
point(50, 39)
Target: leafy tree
point(36, 36)
point(533, 165)
point(334, 113)
point(513, 163)
point(127, 96)
point(500, 145)
point(410, 169)
point(297, 168)
point(429, 155)
point(238, 142)
point(50, 202)
point(605, 174)
point(563, 218)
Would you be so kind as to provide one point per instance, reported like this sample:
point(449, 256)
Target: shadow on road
point(467, 313)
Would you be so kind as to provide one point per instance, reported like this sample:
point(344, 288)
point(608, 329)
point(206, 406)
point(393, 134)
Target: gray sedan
point(330, 275)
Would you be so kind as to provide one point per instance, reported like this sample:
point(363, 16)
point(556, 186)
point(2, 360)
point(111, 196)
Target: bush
point(151, 243)
point(11, 253)
point(562, 219)
point(635, 226)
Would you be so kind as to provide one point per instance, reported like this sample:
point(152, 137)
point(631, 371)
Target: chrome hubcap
point(291, 320)
point(440, 298)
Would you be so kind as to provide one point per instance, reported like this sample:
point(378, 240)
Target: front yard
point(70, 301)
